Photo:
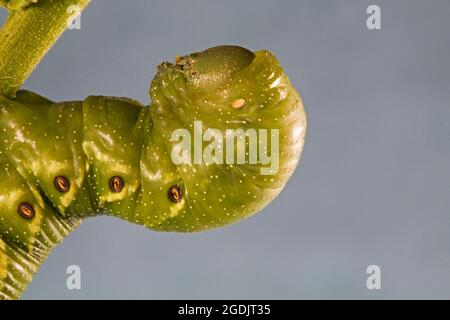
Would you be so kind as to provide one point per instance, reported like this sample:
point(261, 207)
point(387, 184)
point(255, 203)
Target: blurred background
point(373, 186)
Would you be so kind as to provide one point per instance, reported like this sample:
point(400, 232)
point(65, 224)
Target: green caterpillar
point(63, 162)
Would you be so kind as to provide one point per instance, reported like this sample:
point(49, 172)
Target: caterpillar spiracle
point(61, 162)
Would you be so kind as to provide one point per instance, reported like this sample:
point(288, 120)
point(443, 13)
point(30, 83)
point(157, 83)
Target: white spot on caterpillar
point(239, 103)
point(276, 83)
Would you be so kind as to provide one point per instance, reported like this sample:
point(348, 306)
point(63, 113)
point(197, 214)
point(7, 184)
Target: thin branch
point(30, 31)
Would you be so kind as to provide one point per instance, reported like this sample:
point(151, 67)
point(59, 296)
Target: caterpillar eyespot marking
point(116, 184)
point(26, 211)
point(175, 194)
point(62, 184)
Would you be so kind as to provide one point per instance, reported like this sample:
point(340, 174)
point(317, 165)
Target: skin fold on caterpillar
point(63, 162)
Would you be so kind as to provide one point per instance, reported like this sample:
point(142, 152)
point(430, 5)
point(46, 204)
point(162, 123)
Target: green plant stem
point(27, 35)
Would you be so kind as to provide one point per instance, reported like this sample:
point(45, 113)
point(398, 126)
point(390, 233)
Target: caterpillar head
point(227, 132)
point(206, 71)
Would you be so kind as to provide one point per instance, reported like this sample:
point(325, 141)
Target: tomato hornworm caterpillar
point(63, 162)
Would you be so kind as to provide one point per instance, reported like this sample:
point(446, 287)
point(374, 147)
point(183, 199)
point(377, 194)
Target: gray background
point(373, 186)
